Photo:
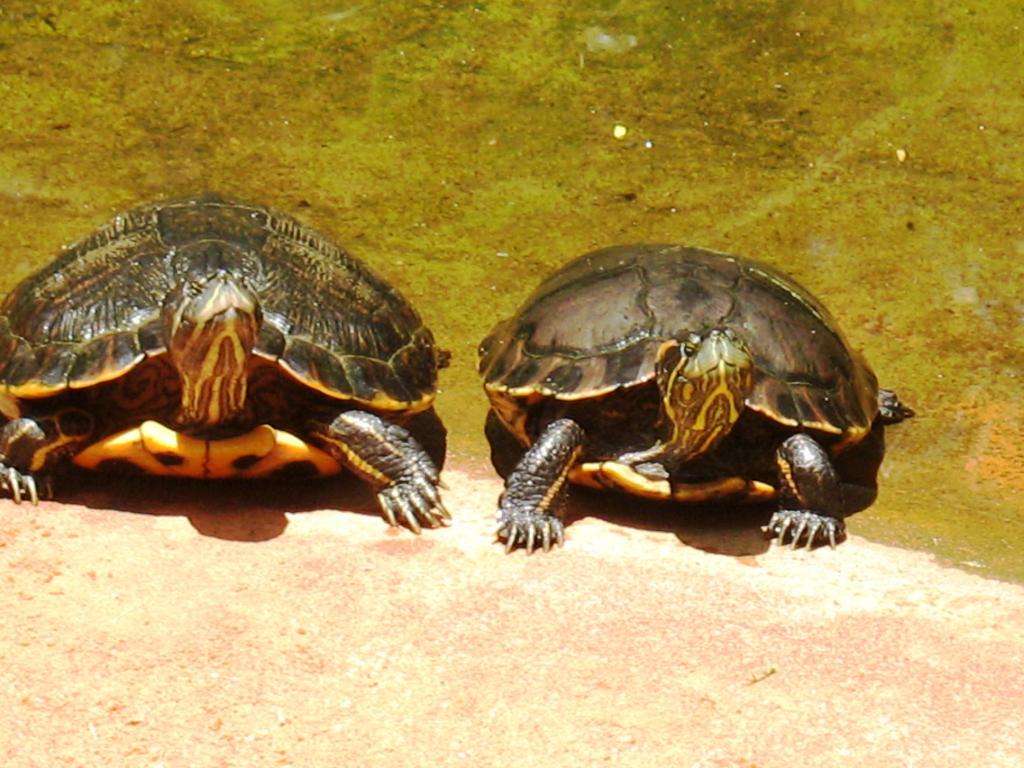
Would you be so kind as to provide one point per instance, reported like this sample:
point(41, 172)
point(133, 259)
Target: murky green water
point(872, 150)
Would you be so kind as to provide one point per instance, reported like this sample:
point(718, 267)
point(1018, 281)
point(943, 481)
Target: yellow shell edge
point(611, 474)
point(159, 450)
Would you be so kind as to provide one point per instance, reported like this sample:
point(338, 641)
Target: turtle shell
point(595, 326)
point(329, 321)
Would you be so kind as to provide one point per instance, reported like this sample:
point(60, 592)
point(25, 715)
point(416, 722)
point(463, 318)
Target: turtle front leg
point(30, 448)
point(810, 495)
point(388, 457)
point(532, 505)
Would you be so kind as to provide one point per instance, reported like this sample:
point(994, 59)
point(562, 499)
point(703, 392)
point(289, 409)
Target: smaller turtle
point(676, 373)
point(211, 338)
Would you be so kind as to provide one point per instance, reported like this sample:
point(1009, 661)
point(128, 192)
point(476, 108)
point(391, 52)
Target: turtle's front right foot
point(20, 485)
point(803, 525)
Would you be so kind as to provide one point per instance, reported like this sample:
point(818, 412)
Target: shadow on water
point(237, 510)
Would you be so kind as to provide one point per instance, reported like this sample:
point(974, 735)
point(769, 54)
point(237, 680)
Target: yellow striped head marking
point(704, 383)
point(211, 327)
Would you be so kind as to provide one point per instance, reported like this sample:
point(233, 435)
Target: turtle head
point(704, 382)
point(211, 325)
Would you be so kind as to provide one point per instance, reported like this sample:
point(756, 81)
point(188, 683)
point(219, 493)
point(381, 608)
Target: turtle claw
point(530, 529)
point(415, 502)
point(511, 534)
point(804, 527)
point(389, 513)
point(20, 485)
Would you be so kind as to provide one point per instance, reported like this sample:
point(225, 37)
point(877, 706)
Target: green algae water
point(869, 149)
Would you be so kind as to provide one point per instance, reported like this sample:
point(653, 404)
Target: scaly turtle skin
point(210, 338)
point(676, 373)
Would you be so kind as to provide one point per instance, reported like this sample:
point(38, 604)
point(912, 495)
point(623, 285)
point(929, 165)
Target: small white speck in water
point(598, 40)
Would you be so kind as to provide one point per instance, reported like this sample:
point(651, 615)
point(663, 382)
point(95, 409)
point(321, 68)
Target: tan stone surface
point(244, 636)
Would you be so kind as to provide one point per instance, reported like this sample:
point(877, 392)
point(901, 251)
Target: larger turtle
point(676, 373)
point(210, 338)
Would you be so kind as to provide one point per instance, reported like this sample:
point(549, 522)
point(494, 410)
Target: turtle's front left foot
point(804, 525)
point(19, 484)
point(387, 456)
point(414, 499)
